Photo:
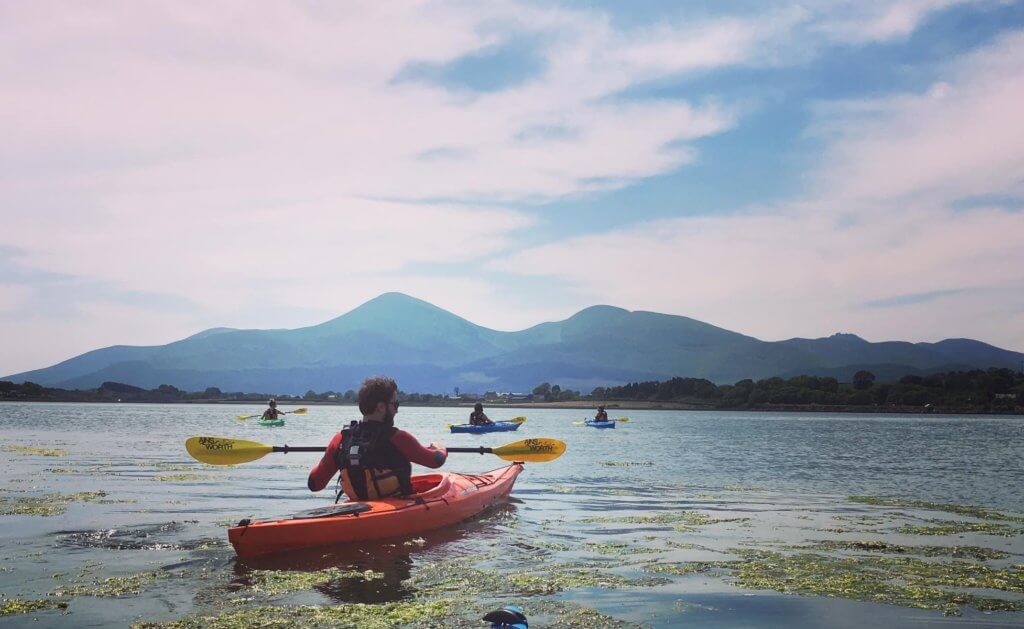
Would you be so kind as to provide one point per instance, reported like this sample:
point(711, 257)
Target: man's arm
point(411, 449)
point(324, 471)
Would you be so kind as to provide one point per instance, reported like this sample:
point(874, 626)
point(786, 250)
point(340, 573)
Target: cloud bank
point(883, 223)
point(169, 167)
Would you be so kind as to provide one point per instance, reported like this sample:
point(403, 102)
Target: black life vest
point(371, 466)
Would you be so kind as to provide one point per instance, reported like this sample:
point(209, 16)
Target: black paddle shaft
point(480, 450)
point(286, 449)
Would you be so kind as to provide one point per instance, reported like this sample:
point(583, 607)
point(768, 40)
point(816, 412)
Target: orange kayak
point(439, 500)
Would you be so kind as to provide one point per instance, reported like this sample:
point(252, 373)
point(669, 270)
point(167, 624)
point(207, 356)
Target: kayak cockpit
point(429, 485)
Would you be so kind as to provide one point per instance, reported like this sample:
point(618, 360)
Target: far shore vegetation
point(998, 391)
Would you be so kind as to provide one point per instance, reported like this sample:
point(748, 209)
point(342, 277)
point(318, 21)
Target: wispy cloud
point(882, 20)
point(1004, 201)
point(913, 298)
point(58, 296)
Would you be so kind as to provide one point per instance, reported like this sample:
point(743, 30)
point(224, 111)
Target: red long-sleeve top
point(322, 473)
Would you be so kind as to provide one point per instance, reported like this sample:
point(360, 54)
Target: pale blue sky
point(788, 170)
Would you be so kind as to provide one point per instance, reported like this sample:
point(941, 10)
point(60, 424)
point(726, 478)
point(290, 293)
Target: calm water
point(780, 479)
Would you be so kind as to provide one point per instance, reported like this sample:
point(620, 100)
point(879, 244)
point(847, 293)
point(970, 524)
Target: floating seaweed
point(626, 463)
point(899, 581)
point(689, 567)
point(560, 578)
point(969, 510)
point(563, 489)
point(34, 451)
point(950, 527)
point(461, 575)
point(549, 613)
point(274, 582)
point(112, 586)
point(46, 506)
point(618, 548)
point(682, 521)
point(959, 552)
point(12, 606)
point(550, 545)
point(360, 615)
point(183, 478)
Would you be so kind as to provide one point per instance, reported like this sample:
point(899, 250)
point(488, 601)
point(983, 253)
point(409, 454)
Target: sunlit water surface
point(771, 481)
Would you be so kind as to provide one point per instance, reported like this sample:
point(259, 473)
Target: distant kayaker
point(373, 457)
point(601, 415)
point(478, 417)
point(272, 412)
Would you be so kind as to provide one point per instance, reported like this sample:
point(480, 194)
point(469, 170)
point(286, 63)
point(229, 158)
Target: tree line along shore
point(994, 390)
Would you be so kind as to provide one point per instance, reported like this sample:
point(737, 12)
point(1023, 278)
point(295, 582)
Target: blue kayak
point(593, 424)
point(495, 427)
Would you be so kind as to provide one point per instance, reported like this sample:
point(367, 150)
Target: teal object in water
point(271, 422)
point(509, 617)
point(594, 424)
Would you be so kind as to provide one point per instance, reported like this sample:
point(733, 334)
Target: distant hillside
point(429, 349)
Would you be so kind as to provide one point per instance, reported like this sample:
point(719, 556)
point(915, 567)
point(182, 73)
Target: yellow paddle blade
point(531, 450)
point(223, 451)
point(299, 411)
point(621, 419)
point(242, 418)
point(578, 423)
point(515, 420)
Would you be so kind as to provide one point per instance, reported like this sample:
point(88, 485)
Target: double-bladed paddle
point(298, 411)
point(224, 451)
point(619, 419)
point(514, 420)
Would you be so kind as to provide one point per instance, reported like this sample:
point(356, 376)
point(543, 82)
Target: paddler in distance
point(373, 457)
point(602, 415)
point(272, 412)
point(478, 417)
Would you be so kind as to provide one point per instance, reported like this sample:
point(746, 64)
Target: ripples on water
point(581, 533)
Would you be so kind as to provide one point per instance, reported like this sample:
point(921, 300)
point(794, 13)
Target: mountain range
point(428, 349)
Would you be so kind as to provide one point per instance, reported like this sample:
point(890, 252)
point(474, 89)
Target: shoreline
point(622, 405)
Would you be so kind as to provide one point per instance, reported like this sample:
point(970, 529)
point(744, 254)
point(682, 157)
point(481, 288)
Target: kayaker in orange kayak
point(373, 457)
point(602, 415)
point(272, 412)
point(478, 418)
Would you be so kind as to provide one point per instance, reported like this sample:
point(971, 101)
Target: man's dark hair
point(374, 390)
